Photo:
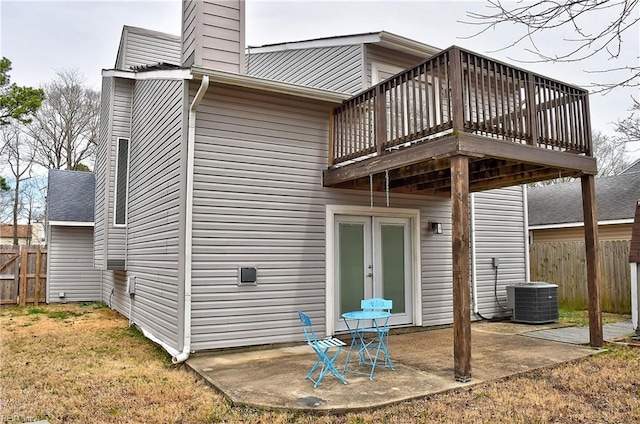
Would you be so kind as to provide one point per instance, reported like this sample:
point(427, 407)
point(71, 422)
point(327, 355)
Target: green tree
point(16, 102)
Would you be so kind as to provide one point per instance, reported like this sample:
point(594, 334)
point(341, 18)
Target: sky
point(41, 37)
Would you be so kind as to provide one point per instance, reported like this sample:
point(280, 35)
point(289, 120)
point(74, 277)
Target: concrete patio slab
point(423, 360)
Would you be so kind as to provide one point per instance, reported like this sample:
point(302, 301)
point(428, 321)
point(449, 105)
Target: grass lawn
point(83, 364)
point(581, 318)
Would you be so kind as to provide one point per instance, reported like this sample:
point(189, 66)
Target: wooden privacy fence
point(23, 275)
point(565, 264)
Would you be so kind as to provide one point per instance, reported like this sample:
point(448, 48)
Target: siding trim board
point(580, 224)
point(72, 223)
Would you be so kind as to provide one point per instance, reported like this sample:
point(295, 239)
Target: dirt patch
point(82, 364)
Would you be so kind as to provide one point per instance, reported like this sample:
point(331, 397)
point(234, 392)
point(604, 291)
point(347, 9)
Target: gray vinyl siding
point(156, 205)
point(389, 57)
point(259, 201)
point(222, 35)
point(121, 127)
point(213, 35)
point(336, 68)
point(70, 265)
point(188, 30)
point(114, 285)
point(100, 169)
point(142, 47)
point(499, 223)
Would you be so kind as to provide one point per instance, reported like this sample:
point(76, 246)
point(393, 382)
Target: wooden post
point(533, 112)
point(590, 211)
point(461, 275)
point(24, 264)
point(457, 95)
point(331, 156)
point(36, 278)
point(380, 103)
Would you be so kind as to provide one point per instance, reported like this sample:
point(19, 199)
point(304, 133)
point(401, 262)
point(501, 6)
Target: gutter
point(255, 83)
point(525, 205)
point(188, 236)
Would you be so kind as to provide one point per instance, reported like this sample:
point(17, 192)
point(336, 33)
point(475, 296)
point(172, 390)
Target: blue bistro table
point(368, 348)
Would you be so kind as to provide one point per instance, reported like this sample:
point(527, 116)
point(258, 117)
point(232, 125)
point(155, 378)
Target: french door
point(373, 259)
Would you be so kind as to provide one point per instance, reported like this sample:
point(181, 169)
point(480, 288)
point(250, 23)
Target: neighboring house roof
point(382, 38)
point(634, 168)
point(616, 197)
point(6, 231)
point(70, 196)
point(634, 252)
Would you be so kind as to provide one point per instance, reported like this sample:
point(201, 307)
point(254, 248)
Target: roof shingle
point(616, 197)
point(70, 196)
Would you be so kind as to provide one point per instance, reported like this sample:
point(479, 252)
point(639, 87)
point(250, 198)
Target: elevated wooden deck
point(461, 122)
point(515, 127)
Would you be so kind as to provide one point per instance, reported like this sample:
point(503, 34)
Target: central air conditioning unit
point(533, 303)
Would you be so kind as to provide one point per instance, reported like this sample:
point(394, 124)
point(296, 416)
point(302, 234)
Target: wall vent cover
point(533, 303)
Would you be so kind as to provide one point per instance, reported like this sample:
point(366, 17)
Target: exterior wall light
point(436, 227)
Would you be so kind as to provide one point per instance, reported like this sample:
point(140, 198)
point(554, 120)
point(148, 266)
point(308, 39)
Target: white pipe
point(474, 272)
point(173, 352)
point(188, 236)
point(525, 205)
point(635, 296)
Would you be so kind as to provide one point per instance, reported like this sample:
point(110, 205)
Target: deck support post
point(589, 208)
point(461, 274)
point(380, 104)
point(532, 140)
point(457, 105)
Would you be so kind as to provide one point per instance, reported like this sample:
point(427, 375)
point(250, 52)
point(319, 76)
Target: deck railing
point(460, 91)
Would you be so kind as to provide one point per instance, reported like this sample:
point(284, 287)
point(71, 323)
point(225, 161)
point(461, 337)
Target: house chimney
point(213, 34)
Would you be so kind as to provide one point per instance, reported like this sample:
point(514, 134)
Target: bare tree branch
point(19, 157)
point(534, 18)
point(65, 129)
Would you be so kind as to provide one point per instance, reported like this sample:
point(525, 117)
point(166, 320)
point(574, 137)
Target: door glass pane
point(392, 245)
point(351, 245)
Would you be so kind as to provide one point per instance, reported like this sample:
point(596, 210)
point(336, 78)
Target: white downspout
point(188, 237)
point(525, 205)
point(474, 271)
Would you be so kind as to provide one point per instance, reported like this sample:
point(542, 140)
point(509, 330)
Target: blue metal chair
point(321, 348)
point(378, 343)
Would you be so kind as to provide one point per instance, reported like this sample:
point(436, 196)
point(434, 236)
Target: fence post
point(36, 273)
point(24, 264)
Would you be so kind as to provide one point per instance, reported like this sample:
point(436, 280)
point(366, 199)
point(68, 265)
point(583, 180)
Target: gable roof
point(70, 196)
point(616, 197)
point(634, 168)
point(381, 38)
point(634, 252)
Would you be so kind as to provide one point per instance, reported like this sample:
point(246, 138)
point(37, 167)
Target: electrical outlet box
point(495, 261)
point(131, 285)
